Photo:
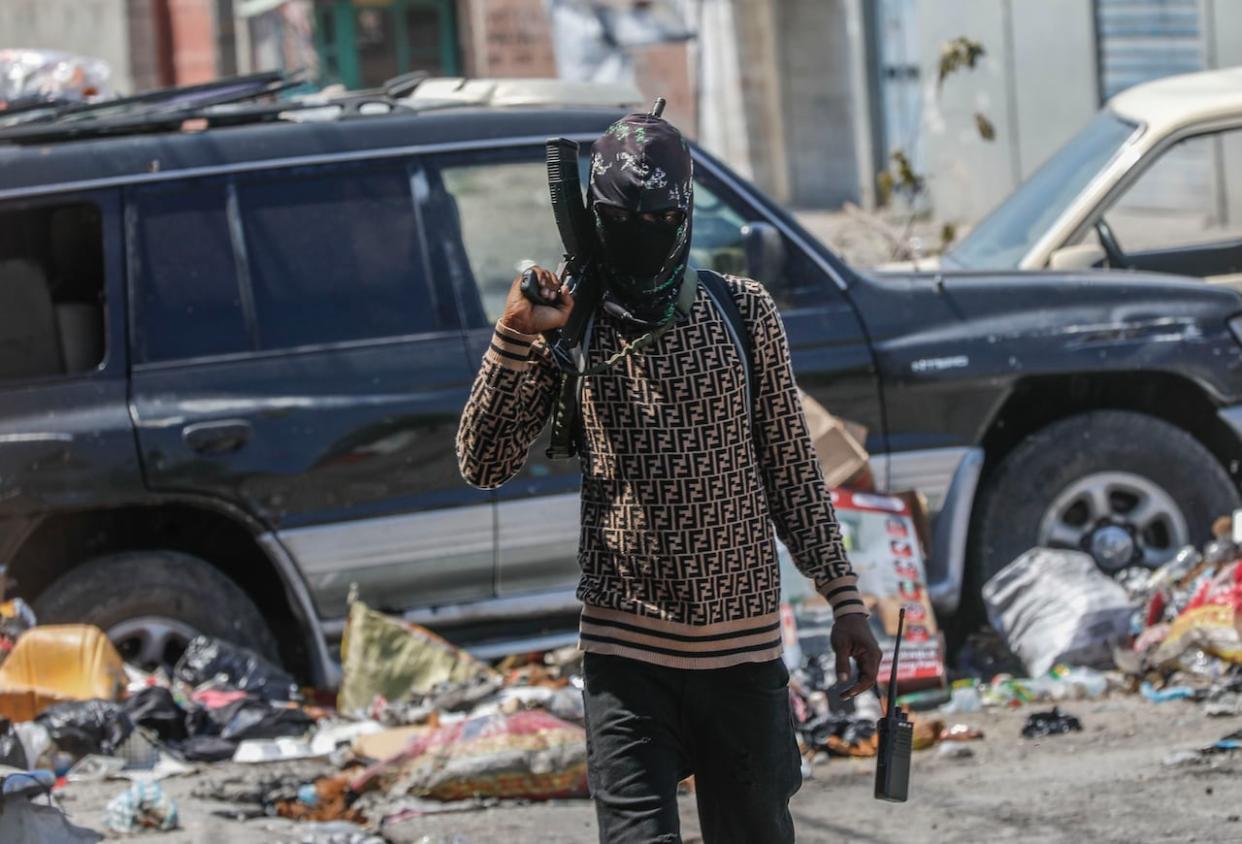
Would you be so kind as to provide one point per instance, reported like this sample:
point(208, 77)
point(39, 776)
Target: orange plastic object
point(56, 663)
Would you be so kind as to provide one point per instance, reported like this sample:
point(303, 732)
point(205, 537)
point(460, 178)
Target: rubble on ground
point(424, 728)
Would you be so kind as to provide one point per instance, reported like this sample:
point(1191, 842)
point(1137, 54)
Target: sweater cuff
point(842, 593)
point(509, 348)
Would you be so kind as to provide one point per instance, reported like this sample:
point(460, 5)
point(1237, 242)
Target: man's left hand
point(852, 637)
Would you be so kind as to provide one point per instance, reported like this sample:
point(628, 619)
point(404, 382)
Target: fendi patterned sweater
point(679, 494)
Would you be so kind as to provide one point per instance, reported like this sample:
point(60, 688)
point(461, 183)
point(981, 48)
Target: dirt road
point(1105, 784)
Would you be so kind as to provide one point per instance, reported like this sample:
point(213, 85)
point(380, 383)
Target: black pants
point(649, 727)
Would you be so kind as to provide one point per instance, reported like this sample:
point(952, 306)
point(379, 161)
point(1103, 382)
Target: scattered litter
point(327, 799)
point(273, 750)
point(12, 753)
point(243, 670)
point(1050, 723)
point(55, 663)
point(80, 728)
point(155, 708)
point(1167, 693)
point(960, 732)
point(95, 768)
point(1229, 703)
point(1183, 758)
point(529, 754)
point(388, 743)
point(386, 658)
point(955, 750)
point(1053, 605)
point(142, 806)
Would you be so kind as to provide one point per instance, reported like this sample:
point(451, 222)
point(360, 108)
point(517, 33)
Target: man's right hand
point(527, 317)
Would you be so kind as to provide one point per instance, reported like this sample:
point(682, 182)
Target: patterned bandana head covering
point(642, 164)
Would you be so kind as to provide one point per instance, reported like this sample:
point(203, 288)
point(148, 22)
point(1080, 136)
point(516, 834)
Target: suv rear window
point(333, 255)
point(51, 290)
point(275, 260)
point(188, 300)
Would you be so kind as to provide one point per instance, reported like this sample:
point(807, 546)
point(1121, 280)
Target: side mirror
point(764, 249)
point(1081, 257)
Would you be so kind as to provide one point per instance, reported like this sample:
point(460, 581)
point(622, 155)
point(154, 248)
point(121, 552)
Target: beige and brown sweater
point(679, 499)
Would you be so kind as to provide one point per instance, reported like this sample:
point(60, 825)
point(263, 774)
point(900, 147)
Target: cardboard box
point(839, 446)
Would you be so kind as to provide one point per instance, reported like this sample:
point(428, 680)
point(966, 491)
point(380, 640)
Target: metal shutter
point(1139, 40)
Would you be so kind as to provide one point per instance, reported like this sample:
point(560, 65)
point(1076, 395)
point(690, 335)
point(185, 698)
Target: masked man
point(684, 475)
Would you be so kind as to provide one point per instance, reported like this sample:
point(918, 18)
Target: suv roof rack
point(256, 98)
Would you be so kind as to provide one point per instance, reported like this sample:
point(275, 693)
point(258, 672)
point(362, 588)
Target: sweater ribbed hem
point(675, 645)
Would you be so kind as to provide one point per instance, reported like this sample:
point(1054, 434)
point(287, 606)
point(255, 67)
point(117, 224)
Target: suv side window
point(496, 213)
point(1187, 197)
point(51, 289)
point(333, 255)
point(187, 298)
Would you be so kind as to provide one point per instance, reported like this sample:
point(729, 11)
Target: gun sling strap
point(566, 413)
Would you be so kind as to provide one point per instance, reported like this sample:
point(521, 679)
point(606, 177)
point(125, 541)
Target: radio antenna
point(892, 680)
point(657, 110)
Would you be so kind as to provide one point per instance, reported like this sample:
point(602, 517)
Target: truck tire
point(1119, 480)
point(151, 603)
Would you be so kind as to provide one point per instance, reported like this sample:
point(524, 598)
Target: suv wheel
point(151, 603)
point(1126, 488)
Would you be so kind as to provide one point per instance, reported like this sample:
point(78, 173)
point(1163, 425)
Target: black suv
point(232, 362)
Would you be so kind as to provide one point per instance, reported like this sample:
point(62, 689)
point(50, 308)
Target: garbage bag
point(12, 753)
point(255, 718)
point(56, 663)
point(529, 754)
point(1050, 723)
point(205, 658)
point(206, 749)
point(81, 728)
point(384, 657)
point(155, 709)
point(1052, 605)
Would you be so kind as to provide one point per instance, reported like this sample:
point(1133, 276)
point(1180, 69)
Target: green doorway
point(363, 43)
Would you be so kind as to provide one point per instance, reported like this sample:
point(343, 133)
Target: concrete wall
point(1036, 84)
point(89, 27)
point(817, 96)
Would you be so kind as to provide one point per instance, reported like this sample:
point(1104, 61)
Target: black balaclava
point(642, 165)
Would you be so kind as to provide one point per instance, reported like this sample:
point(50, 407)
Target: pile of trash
point(420, 726)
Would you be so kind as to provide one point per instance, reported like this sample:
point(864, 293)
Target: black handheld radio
point(892, 764)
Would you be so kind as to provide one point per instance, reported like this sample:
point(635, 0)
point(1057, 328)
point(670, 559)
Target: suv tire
point(137, 596)
point(1017, 499)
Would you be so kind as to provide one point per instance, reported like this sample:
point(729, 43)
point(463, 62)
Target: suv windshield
point(1009, 232)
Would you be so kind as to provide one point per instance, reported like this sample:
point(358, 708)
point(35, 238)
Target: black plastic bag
point(82, 727)
point(245, 670)
point(1050, 724)
point(156, 709)
point(253, 718)
point(206, 749)
point(11, 751)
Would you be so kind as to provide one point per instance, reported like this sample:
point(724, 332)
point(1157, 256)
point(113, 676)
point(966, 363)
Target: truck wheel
point(151, 603)
point(1128, 489)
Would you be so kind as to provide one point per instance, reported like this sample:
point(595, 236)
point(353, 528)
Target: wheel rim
point(1119, 518)
point(150, 641)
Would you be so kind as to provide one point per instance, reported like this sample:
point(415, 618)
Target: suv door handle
point(213, 438)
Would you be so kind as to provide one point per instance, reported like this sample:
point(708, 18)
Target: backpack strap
point(714, 283)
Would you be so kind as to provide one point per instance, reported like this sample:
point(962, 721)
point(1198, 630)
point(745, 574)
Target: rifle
point(581, 249)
